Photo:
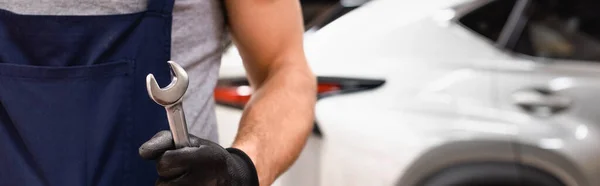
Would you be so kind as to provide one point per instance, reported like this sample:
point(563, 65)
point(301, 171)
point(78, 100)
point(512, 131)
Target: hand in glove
point(204, 163)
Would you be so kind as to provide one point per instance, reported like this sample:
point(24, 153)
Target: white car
point(448, 92)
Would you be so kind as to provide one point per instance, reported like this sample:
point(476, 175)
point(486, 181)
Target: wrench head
point(172, 93)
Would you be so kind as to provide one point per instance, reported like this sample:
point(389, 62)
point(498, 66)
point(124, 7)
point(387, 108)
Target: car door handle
point(541, 102)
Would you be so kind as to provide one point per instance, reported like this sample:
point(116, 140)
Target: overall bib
point(73, 102)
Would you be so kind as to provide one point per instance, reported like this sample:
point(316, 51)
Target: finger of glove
point(157, 145)
point(161, 182)
point(175, 163)
point(197, 142)
point(187, 182)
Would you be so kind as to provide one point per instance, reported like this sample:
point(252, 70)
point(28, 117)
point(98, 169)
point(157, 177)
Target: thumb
point(157, 145)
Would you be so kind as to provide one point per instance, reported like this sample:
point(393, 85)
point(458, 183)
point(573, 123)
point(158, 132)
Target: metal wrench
point(171, 97)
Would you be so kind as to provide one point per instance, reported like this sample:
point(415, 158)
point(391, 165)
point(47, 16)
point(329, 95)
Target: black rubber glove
point(205, 163)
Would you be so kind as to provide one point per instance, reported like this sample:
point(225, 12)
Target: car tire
point(491, 174)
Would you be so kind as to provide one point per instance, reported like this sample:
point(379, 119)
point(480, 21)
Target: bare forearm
point(278, 120)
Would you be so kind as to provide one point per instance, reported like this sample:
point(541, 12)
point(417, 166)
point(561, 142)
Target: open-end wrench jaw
point(172, 93)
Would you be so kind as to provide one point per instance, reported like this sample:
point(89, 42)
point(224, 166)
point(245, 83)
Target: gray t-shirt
point(198, 38)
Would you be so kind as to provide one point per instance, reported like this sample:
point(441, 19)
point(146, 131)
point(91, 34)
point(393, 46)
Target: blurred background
point(444, 92)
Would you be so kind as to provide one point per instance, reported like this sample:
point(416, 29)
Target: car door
point(555, 109)
point(548, 86)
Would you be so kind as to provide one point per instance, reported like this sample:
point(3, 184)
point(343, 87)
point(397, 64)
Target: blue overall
point(73, 102)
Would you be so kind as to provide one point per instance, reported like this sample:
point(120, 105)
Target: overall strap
point(161, 6)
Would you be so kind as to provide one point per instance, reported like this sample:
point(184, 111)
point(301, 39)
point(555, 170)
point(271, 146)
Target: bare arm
point(278, 119)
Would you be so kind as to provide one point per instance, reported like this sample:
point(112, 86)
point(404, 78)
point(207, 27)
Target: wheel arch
point(500, 151)
point(493, 173)
point(553, 162)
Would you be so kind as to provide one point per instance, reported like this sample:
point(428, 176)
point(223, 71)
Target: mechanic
point(74, 109)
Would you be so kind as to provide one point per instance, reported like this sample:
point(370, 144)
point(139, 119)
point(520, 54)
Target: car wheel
point(491, 174)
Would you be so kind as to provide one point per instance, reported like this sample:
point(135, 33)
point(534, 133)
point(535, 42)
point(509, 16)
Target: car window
point(556, 29)
point(489, 19)
point(560, 31)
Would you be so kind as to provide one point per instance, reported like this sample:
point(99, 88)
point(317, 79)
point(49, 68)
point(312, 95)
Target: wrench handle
point(178, 126)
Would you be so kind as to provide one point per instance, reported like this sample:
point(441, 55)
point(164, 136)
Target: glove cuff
point(252, 176)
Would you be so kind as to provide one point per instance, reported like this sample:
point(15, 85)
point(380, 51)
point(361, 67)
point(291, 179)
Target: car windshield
point(331, 13)
point(311, 9)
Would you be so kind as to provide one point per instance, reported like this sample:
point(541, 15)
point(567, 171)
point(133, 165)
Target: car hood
point(383, 35)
